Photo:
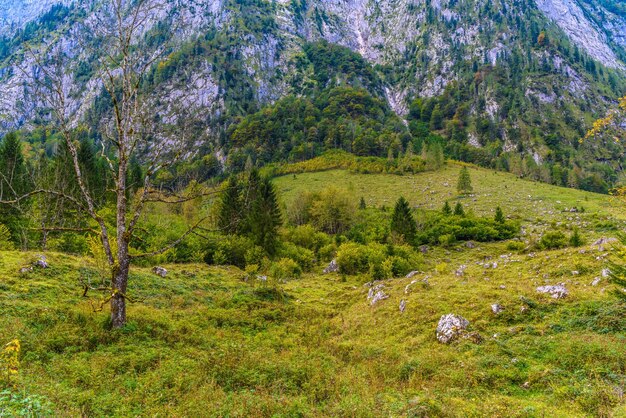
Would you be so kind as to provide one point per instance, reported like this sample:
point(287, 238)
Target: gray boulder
point(333, 267)
point(450, 328)
point(159, 271)
point(496, 308)
point(41, 262)
point(402, 305)
point(376, 294)
point(557, 292)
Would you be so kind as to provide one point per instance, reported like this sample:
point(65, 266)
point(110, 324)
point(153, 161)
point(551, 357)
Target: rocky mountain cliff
point(524, 75)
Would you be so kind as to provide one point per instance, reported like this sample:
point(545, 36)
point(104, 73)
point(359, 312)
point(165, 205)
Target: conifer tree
point(265, 218)
point(458, 209)
point(230, 207)
point(499, 218)
point(464, 185)
point(576, 240)
point(447, 210)
point(12, 182)
point(402, 222)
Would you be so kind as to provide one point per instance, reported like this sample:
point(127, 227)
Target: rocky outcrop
point(558, 291)
point(450, 328)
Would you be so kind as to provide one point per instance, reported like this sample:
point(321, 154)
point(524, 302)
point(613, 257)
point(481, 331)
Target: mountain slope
point(518, 75)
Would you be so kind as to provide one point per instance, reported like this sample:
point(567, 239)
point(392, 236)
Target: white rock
point(450, 327)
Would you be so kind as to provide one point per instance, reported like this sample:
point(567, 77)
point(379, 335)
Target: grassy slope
point(205, 343)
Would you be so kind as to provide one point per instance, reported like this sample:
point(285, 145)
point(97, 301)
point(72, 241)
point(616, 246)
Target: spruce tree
point(12, 183)
point(230, 208)
point(458, 209)
point(447, 210)
point(499, 218)
point(402, 222)
point(464, 185)
point(265, 218)
point(576, 240)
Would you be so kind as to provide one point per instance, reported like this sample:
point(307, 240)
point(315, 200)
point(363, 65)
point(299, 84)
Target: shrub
point(328, 252)
point(5, 239)
point(515, 246)
point(306, 236)
point(304, 257)
point(230, 250)
point(285, 269)
point(553, 240)
point(351, 258)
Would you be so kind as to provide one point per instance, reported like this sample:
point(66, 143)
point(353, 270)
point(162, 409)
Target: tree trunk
point(120, 274)
point(118, 301)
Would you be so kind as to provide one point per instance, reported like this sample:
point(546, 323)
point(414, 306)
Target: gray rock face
point(557, 292)
point(450, 328)
point(160, 271)
point(333, 267)
point(572, 19)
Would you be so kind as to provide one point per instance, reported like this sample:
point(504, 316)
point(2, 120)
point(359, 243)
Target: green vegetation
point(274, 336)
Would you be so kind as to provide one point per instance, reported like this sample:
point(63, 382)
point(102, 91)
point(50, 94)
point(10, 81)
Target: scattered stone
point(602, 242)
point(402, 305)
point(526, 385)
point(606, 273)
point(496, 308)
point(159, 271)
point(557, 292)
point(25, 270)
point(376, 294)
point(575, 273)
point(333, 267)
point(502, 287)
point(460, 271)
point(596, 281)
point(41, 263)
point(412, 274)
point(262, 278)
point(470, 244)
point(424, 249)
point(523, 309)
point(450, 328)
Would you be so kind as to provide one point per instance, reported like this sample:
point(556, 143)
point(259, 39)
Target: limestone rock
point(496, 308)
point(450, 328)
point(159, 271)
point(333, 267)
point(557, 292)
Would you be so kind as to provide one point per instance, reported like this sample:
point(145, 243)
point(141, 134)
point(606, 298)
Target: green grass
point(204, 342)
point(527, 199)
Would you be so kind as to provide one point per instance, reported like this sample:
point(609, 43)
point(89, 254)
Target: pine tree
point(402, 222)
point(447, 210)
point(230, 208)
point(576, 240)
point(265, 218)
point(464, 185)
point(458, 209)
point(12, 183)
point(499, 218)
point(362, 204)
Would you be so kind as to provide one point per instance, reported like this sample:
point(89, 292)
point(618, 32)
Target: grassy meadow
point(205, 342)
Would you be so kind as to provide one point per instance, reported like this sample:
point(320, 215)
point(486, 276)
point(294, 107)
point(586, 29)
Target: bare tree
point(136, 125)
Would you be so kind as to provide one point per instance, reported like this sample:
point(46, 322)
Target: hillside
point(493, 81)
point(204, 342)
